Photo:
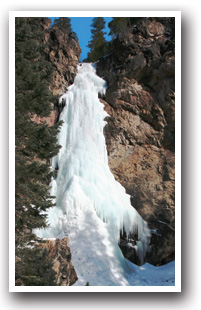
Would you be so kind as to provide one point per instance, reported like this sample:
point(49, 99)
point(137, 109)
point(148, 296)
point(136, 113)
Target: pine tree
point(35, 143)
point(64, 23)
point(98, 43)
point(34, 268)
point(120, 24)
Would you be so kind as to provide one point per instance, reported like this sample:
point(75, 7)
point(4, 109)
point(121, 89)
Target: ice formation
point(92, 208)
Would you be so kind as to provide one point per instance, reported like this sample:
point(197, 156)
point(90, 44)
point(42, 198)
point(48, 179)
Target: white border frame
point(12, 287)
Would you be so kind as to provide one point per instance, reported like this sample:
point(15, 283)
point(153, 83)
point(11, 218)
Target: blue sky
point(82, 27)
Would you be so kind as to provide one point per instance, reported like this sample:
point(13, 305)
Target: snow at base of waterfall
point(98, 259)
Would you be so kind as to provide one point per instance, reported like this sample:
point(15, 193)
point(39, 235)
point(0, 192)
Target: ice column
point(84, 179)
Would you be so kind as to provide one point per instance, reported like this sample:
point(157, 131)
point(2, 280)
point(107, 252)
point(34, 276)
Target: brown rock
point(140, 130)
point(64, 53)
point(59, 253)
point(50, 120)
point(155, 29)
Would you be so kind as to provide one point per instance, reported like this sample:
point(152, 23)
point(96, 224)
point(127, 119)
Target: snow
point(92, 208)
point(148, 275)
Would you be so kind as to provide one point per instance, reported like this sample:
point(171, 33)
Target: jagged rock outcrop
point(63, 51)
point(140, 132)
point(59, 253)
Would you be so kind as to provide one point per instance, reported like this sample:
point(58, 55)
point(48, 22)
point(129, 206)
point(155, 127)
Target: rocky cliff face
point(140, 100)
point(59, 253)
point(63, 51)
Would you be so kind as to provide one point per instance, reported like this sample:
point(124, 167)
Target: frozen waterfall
point(92, 208)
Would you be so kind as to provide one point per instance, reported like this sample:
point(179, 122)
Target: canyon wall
point(140, 99)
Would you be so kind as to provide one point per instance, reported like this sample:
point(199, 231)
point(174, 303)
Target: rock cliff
point(59, 253)
point(140, 100)
point(63, 51)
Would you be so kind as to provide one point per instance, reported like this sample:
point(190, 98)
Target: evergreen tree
point(34, 268)
point(120, 24)
point(35, 143)
point(98, 43)
point(64, 23)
